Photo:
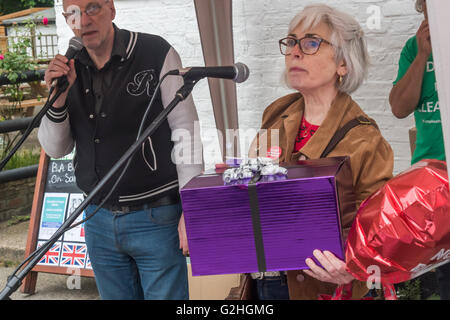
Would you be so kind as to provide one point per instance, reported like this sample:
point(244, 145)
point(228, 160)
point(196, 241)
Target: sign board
point(56, 196)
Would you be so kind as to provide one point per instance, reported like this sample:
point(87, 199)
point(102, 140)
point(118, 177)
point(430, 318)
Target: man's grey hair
point(347, 38)
point(419, 5)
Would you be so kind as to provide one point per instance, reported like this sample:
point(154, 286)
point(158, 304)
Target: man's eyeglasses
point(308, 45)
point(92, 9)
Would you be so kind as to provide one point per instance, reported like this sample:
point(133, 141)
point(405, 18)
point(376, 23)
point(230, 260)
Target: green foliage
point(434, 296)
point(37, 3)
point(17, 219)
point(10, 6)
point(17, 60)
point(14, 63)
point(22, 159)
point(409, 290)
point(7, 263)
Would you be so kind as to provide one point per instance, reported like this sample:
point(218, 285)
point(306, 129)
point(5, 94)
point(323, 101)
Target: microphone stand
point(14, 281)
point(62, 86)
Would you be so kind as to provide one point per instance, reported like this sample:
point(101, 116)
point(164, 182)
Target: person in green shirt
point(415, 91)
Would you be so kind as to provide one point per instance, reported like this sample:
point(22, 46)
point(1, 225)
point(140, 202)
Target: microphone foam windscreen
point(242, 72)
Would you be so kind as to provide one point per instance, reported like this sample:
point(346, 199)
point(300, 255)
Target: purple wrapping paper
point(297, 213)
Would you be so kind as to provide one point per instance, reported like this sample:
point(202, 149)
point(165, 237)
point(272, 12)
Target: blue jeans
point(272, 288)
point(136, 255)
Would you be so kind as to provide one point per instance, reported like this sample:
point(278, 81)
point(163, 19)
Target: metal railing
point(44, 46)
point(18, 173)
point(15, 125)
point(19, 124)
point(27, 76)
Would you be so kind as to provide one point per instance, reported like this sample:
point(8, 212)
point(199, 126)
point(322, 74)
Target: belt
point(267, 274)
point(164, 201)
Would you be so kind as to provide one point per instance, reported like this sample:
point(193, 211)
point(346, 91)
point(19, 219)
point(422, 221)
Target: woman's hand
point(333, 270)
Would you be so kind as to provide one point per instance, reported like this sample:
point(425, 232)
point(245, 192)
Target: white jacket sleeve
point(187, 153)
point(56, 137)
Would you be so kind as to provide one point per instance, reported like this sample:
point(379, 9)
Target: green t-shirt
point(429, 141)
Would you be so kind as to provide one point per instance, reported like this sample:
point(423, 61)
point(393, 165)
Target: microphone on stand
point(75, 45)
point(238, 72)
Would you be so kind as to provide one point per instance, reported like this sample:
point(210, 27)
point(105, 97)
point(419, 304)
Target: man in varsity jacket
point(137, 239)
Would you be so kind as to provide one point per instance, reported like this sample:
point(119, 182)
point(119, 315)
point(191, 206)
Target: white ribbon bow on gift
point(250, 167)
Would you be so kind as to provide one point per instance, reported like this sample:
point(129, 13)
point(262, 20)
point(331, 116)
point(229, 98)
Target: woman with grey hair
point(326, 59)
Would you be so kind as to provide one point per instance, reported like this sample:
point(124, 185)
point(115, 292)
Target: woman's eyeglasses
point(308, 45)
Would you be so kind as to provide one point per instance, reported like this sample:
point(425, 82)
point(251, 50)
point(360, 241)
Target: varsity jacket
point(103, 132)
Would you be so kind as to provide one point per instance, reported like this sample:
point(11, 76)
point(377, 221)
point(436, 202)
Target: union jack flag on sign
point(88, 262)
point(73, 255)
point(51, 257)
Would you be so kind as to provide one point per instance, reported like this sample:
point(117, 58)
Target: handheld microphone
point(238, 72)
point(75, 45)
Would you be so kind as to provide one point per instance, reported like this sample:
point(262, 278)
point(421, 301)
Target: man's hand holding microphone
point(62, 68)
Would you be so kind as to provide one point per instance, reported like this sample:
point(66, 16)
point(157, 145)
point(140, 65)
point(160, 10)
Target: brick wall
point(17, 198)
point(257, 25)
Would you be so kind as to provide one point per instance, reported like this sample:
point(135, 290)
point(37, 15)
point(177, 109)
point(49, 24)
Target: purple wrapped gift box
point(271, 225)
